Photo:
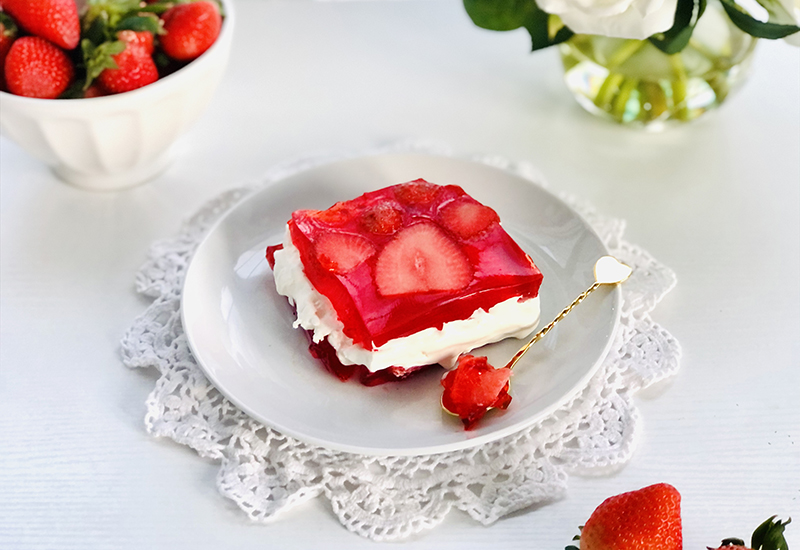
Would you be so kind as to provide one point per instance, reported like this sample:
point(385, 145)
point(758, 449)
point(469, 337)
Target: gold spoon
point(607, 271)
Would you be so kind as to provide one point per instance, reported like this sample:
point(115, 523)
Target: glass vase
point(634, 83)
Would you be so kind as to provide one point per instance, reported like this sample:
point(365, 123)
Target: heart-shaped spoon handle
point(607, 271)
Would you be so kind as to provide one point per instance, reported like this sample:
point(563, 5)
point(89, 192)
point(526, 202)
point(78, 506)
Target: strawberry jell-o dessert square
point(404, 277)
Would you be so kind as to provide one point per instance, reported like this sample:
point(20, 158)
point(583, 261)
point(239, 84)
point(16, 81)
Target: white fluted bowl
point(117, 141)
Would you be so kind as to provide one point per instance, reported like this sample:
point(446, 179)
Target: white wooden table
point(717, 200)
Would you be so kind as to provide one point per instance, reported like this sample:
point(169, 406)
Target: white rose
point(616, 18)
point(792, 8)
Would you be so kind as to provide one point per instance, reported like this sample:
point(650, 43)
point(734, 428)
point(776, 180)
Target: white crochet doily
point(388, 498)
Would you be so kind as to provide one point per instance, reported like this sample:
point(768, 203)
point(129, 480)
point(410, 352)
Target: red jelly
point(408, 257)
point(474, 387)
point(327, 355)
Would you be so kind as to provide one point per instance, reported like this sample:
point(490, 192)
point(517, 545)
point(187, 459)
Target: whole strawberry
point(134, 64)
point(767, 536)
point(190, 29)
point(8, 33)
point(649, 518)
point(53, 20)
point(36, 68)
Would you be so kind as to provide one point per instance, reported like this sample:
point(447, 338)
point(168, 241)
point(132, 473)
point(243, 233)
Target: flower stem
point(654, 102)
point(607, 91)
point(621, 101)
point(623, 53)
point(679, 87)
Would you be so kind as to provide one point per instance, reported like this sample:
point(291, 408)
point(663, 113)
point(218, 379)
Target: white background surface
point(717, 200)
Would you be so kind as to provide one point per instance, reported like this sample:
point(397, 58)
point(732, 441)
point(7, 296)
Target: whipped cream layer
point(510, 318)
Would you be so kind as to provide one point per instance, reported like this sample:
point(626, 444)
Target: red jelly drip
point(473, 387)
point(327, 356)
point(500, 269)
point(271, 250)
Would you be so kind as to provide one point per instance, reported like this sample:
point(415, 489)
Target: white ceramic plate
point(240, 329)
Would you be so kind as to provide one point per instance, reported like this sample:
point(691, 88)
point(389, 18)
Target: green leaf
point(733, 541)
point(506, 15)
point(571, 548)
point(149, 22)
point(158, 8)
point(500, 15)
point(161, 60)
point(111, 11)
point(687, 14)
point(99, 58)
point(9, 25)
point(769, 535)
point(546, 30)
point(74, 91)
point(754, 27)
point(98, 31)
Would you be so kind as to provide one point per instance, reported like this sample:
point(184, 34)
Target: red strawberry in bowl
point(474, 387)
point(8, 33)
point(36, 68)
point(190, 29)
point(89, 152)
point(133, 67)
point(54, 20)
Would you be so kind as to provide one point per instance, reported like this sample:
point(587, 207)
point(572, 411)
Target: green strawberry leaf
point(733, 541)
point(9, 25)
point(98, 58)
point(74, 91)
point(111, 11)
point(677, 37)
point(157, 7)
point(754, 27)
point(98, 31)
point(769, 535)
point(161, 60)
point(145, 22)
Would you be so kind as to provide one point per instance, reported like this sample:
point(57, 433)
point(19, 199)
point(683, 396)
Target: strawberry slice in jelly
point(474, 387)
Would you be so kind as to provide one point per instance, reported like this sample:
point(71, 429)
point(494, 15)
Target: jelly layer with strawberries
point(410, 257)
point(514, 317)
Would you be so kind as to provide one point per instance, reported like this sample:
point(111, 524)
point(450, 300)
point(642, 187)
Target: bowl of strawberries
point(101, 89)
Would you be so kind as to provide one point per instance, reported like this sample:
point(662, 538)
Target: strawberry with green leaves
point(54, 20)
point(190, 29)
point(124, 65)
point(35, 67)
point(118, 45)
point(767, 536)
point(649, 518)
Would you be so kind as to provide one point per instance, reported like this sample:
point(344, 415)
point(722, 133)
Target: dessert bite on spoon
point(475, 387)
